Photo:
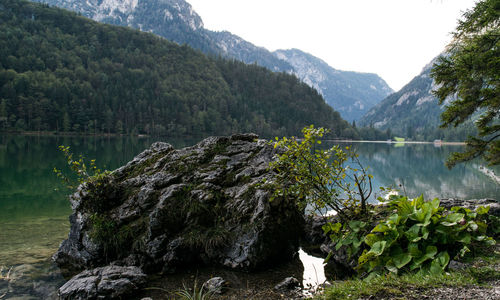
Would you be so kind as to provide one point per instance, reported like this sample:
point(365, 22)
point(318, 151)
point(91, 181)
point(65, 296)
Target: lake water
point(34, 208)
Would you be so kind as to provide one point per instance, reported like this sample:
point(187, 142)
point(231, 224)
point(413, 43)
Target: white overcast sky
point(393, 38)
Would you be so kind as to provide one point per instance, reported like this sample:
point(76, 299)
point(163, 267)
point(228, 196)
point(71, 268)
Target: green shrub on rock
point(323, 179)
point(101, 193)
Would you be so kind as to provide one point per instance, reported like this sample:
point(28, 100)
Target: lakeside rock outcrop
point(168, 209)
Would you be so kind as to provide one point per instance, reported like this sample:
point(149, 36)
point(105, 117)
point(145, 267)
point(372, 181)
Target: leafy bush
point(101, 193)
point(83, 173)
point(321, 178)
point(415, 236)
point(350, 235)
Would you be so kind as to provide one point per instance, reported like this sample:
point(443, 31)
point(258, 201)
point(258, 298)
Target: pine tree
point(470, 70)
point(3, 113)
point(66, 122)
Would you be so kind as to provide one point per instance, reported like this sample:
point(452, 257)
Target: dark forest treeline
point(62, 72)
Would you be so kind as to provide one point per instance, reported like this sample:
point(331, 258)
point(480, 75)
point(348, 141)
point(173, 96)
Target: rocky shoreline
point(201, 206)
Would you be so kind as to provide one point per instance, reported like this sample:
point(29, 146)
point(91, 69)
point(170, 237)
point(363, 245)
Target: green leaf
point(338, 245)
point(381, 227)
point(481, 210)
point(490, 241)
point(435, 205)
point(417, 202)
point(435, 268)
point(391, 266)
point(472, 225)
point(480, 238)
point(439, 263)
point(329, 227)
point(364, 257)
point(464, 250)
point(454, 218)
point(356, 226)
point(443, 258)
point(412, 234)
point(413, 250)
point(425, 232)
point(464, 237)
point(430, 251)
point(405, 209)
point(371, 238)
point(378, 248)
point(401, 260)
point(394, 219)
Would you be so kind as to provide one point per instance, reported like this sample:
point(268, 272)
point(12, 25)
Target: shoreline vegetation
point(72, 134)
point(411, 248)
point(397, 142)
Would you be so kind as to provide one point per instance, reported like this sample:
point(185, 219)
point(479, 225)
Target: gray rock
point(215, 285)
point(167, 209)
point(288, 284)
point(473, 204)
point(456, 265)
point(111, 282)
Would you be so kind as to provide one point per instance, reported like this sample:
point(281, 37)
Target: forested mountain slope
point(350, 93)
point(63, 72)
point(414, 112)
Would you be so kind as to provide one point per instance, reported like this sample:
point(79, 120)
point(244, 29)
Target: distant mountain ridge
point(350, 93)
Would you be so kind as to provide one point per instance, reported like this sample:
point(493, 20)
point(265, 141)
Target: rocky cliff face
point(171, 208)
point(176, 21)
point(399, 109)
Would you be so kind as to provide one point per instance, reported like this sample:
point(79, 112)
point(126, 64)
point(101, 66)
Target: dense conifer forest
point(62, 72)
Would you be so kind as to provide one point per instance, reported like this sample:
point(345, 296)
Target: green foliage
point(350, 235)
point(393, 287)
point(422, 236)
point(101, 192)
point(84, 173)
point(481, 270)
point(322, 178)
point(209, 239)
point(63, 72)
point(194, 294)
point(114, 240)
point(470, 70)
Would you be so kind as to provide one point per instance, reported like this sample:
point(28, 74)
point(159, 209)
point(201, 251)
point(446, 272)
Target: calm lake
point(34, 208)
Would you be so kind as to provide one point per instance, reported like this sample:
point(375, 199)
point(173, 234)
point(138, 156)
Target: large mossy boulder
point(172, 208)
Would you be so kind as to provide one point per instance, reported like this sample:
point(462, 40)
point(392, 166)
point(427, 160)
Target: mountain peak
point(134, 12)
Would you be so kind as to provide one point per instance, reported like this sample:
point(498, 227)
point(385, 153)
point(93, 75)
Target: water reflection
point(314, 271)
point(34, 208)
point(417, 169)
